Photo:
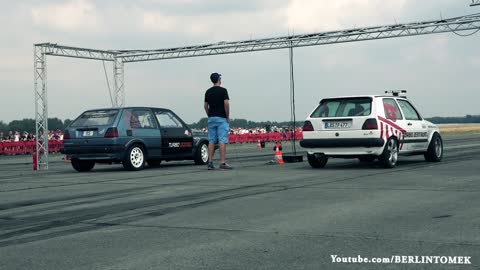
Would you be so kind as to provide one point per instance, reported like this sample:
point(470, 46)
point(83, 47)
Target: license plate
point(88, 133)
point(337, 125)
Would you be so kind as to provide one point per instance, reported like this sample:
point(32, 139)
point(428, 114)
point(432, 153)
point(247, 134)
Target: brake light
point(111, 133)
point(370, 124)
point(66, 135)
point(307, 126)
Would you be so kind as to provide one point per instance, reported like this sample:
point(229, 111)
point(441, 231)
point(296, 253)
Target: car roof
point(130, 107)
point(365, 96)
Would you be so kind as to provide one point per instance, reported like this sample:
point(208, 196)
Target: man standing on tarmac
point(217, 107)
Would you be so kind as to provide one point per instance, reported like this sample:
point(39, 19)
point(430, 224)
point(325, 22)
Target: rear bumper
point(97, 152)
point(344, 148)
point(342, 143)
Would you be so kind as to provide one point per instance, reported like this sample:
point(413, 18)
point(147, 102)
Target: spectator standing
point(10, 136)
point(217, 107)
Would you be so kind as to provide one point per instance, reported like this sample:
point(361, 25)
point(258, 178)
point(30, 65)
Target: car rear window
point(95, 118)
point(343, 107)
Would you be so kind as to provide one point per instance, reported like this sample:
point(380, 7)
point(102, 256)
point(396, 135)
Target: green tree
point(55, 123)
point(3, 127)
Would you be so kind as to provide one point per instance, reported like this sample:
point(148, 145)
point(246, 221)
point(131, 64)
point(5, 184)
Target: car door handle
point(409, 124)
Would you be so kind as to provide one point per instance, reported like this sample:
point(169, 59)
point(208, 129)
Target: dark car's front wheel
point(135, 158)
point(201, 154)
point(82, 165)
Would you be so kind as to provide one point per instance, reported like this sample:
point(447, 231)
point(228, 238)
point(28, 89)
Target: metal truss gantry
point(41, 106)
point(323, 38)
point(120, 57)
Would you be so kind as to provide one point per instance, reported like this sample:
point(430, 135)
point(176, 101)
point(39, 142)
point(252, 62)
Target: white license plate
point(87, 133)
point(337, 125)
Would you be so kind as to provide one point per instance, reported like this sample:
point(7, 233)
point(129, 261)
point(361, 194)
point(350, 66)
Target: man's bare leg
point(211, 151)
point(222, 152)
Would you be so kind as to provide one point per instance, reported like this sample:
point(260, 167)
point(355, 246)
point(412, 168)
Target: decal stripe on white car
point(391, 128)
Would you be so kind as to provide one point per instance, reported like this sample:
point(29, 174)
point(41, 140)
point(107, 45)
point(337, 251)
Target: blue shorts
point(218, 128)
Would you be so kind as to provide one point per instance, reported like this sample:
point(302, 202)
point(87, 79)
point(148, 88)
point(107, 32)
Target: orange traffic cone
point(278, 153)
point(259, 146)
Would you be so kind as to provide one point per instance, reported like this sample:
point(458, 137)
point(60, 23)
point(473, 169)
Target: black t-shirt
point(215, 96)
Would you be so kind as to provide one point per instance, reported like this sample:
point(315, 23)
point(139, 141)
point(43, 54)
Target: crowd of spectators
point(260, 130)
point(25, 136)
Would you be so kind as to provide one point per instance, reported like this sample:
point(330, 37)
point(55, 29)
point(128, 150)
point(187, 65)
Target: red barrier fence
point(263, 137)
point(21, 148)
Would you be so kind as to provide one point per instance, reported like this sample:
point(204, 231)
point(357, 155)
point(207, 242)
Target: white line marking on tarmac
point(462, 146)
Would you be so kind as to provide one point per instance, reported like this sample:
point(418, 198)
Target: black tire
point(134, 159)
point(435, 149)
point(82, 165)
point(154, 162)
point(367, 158)
point(317, 162)
point(201, 154)
point(389, 156)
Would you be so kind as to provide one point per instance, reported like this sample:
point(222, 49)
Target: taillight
point(370, 124)
point(111, 133)
point(307, 126)
point(66, 135)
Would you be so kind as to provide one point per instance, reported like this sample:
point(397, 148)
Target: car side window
point(408, 110)
point(135, 119)
point(168, 120)
point(392, 112)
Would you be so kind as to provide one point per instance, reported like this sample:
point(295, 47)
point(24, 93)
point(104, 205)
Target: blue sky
point(439, 71)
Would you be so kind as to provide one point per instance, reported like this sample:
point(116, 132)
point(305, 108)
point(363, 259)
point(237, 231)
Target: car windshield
point(343, 107)
point(95, 118)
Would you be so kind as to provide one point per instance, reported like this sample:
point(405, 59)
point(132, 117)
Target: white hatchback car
point(369, 128)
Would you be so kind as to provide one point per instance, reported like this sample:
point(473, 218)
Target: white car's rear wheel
point(317, 161)
point(389, 157)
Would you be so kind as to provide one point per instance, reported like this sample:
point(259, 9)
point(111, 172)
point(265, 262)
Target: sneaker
point(210, 166)
point(225, 166)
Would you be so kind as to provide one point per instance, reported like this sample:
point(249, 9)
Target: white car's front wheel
point(435, 149)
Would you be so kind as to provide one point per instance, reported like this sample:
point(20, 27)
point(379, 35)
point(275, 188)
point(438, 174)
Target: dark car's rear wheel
point(201, 154)
point(317, 161)
point(82, 165)
point(135, 158)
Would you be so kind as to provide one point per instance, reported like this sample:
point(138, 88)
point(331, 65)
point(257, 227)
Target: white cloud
point(314, 15)
point(434, 50)
point(76, 15)
point(158, 22)
point(221, 26)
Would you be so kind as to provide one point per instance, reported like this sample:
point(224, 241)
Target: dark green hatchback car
point(132, 136)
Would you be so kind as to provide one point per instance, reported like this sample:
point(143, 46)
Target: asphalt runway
point(258, 216)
